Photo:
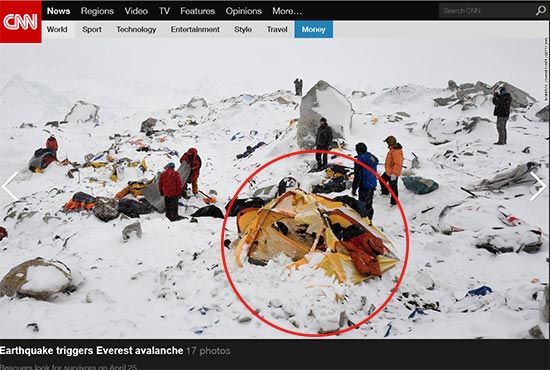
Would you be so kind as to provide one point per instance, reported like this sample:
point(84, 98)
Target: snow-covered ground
point(171, 283)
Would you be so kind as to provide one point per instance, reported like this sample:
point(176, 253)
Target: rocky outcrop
point(323, 100)
point(470, 95)
point(543, 114)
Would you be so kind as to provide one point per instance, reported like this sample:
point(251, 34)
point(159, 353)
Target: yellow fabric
point(95, 164)
point(292, 224)
point(386, 263)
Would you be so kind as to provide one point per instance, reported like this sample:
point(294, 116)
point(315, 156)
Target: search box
point(502, 10)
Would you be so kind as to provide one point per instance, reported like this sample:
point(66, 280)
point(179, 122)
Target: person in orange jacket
point(192, 157)
point(170, 188)
point(393, 167)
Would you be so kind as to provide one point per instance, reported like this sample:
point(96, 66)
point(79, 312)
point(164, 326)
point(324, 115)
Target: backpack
point(334, 185)
point(133, 208)
point(357, 205)
point(240, 204)
point(419, 185)
point(209, 211)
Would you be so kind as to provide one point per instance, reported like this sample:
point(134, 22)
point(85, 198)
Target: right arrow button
point(540, 190)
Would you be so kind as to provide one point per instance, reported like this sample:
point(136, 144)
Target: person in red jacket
point(51, 145)
point(170, 188)
point(192, 157)
point(3, 233)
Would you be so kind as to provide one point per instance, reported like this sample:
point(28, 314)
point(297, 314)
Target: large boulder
point(323, 100)
point(106, 209)
point(148, 125)
point(519, 97)
point(37, 278)
point(83, 112)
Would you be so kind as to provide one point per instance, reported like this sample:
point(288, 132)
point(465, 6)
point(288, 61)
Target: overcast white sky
point(264, 65)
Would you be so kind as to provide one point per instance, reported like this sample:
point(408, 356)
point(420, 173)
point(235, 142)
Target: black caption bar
point(289, 10)
point(114, 354)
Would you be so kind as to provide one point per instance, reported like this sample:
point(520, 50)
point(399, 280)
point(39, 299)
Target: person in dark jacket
point(170, 188)
point(51, 145)
point(393, 167)
point(323, 142)
point(192, 157)
point(363, 179)
point(502, 100)
point(298, 83)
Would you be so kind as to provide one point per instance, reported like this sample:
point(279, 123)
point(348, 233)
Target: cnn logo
point(20, 21)
point(16, 21)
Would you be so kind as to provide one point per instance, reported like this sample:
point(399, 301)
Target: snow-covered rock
point(323, 100)
point(197, 102)
point(441, 130)
point(83, 112)
point(36, 278)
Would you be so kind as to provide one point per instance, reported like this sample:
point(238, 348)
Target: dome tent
point(307, 228)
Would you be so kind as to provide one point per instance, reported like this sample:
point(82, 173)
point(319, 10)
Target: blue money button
point(313, 29)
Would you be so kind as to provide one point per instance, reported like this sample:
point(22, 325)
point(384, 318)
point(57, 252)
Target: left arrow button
point(5, 185)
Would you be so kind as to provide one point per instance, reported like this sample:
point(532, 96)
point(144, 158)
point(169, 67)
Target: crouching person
point(170, 188)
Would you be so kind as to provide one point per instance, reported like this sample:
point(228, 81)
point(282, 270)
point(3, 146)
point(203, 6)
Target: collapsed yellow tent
point(300, 225)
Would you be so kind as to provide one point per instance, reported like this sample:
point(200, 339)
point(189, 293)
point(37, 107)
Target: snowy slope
point(171, 282)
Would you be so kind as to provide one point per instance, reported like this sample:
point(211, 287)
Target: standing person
point(502, 100)
point(363, 179)
point(51, 145)
point(170, 188)
point(298, 83)
point(192, 157)
point(322, 142)
point(393, 165)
